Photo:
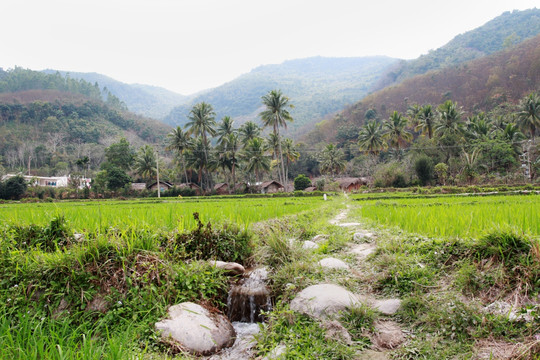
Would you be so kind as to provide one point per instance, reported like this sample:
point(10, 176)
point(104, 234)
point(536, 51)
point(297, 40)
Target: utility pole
point(157, 171)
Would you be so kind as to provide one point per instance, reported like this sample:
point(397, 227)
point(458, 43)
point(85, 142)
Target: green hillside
point(502, 32)
point(51, 121)
point(146, 100)
point(316, 86)
point(500, 79)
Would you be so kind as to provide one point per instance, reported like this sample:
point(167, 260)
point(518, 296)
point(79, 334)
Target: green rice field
point(158, 214)
point(455, 216)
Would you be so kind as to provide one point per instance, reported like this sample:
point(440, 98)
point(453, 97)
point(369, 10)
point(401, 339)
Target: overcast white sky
point(191, 45)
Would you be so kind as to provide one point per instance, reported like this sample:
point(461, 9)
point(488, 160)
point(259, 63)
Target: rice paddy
point(164, 215)
point(456, 216)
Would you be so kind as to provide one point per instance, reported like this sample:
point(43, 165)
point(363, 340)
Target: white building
point(51, 181)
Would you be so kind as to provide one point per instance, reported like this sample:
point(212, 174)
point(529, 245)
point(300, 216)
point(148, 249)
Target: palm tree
point(179, 141)
point(371, 137)
point(225, 128)
point(479, 127)
point(291, 154)
point(255, 157)
point(230, 148)
point(145, 162)
point(396, 130)
point(529, 114)
point(425, 119)
point(276, 115)
point(448, 119)
point(197, 158)
point(512, 135)
point(331, 160)
point(202, 123)
point(249, 131)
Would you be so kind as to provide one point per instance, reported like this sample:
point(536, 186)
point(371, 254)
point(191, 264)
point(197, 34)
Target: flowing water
point(249, 296)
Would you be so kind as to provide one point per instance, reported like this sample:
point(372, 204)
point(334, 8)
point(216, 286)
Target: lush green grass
point(165, 215)
point(457, 216)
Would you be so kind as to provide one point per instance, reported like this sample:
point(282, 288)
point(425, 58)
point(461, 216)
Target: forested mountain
point(506, 30)
point(48, 121)
point(316, 86)
point(478, 85)
point(145, 100)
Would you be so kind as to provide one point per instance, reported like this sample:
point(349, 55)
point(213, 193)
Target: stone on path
point(363, 250)
point(310, 245)
point(387, 306)
point(197, 330)
point(363, 236)
point(388, 335)
point(323, 300)
point(333, 263)
point(373, 355)
point(349, 224)
point(231, 267)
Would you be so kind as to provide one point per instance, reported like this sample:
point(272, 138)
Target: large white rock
point(196, 329)
point(323, 300)
point(333, 263)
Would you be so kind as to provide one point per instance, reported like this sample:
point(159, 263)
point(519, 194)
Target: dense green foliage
point(301, 182)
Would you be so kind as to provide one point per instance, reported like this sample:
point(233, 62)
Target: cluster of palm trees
point(206, 146)
point(447, 125)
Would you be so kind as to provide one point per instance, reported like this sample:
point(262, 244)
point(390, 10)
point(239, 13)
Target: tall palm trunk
point(184, 166)
point(282, 175)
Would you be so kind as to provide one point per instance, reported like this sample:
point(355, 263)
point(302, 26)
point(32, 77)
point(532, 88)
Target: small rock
point(388, 306)
point(197, 330)
point(388, 335)
point(336, 331)
point(323, 300)
point(278, 352)
point(318, 238)
point(363, 236)
point(349, 224)
point(373, 355)
point(333, 263)
point(231, 267)
point(363, 250)
point(504, 309)
point(310, 245)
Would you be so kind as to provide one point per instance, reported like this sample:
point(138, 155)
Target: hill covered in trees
point(478, 85)
point(49, 121)
point(502, 32)
point(318, 86)
point(146, 100)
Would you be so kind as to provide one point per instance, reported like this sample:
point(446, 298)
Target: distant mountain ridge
point(505, 30)
point(316, 86)
point(500, 79)
point(146, 100)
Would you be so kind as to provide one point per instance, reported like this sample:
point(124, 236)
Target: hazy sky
point(191, 45)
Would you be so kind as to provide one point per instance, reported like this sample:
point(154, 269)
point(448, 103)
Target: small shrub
point(301, 182)
point(229, 243)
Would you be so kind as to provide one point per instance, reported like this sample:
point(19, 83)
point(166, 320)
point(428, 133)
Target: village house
point(221, 188)
point(351, 184)
point(163, 185)
point(271, 187)
point(53, 181)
